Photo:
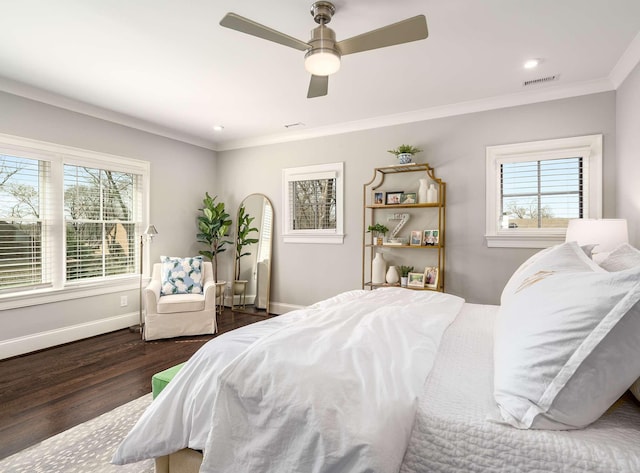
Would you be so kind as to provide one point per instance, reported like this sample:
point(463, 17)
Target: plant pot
point(239, 287)
point(405, 158)
point(404, 280)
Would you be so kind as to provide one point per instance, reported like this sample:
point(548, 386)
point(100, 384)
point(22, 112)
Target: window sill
point(523, 241)
point(47, 296)
point(333, 239)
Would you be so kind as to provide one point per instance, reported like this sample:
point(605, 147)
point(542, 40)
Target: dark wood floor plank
point(47, 392)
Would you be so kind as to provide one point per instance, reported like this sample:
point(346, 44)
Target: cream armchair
point(178, 315)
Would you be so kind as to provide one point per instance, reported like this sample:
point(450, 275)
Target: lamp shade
point(606, 233)
point(151, 231)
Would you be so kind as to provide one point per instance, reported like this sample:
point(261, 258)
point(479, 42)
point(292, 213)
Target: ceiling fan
point(323, 53)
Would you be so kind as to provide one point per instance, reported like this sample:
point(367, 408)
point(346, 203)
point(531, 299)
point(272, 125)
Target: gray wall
point(628, 153)
point(180, 175)
point(455, 146)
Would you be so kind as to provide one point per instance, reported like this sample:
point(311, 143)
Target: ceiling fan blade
point(318, 86)
point(405, 31)
point(244, 25)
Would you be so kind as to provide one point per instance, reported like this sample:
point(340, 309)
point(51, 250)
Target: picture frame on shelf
point(431, 238)
point(378, 198)
point(409, 198)
point(431, 274)
point(415, 280)
point(416, 238)
point(393, 198)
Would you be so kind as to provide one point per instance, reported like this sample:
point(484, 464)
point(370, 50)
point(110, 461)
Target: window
point(534, 189)
point(68, 219)
point(313, 198)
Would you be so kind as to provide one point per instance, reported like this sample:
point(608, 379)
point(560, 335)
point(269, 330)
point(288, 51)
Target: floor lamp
point(149, 233)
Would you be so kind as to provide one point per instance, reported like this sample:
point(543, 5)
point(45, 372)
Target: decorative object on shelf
point(415, 280)
point(377, 230)
point(431, 277)
point(431, 238)
point(432, 194)
point(404, 274)
point(408, 198)
point(423, 191)
point(405, 153)
point(378, 198)
point(416, 238)
point(404, 218)
point(392, 275)
point(379, 269)
point(393, 198)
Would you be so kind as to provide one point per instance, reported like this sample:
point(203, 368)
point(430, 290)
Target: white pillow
point(566, 342)
point(623, 257)
point(564, 257)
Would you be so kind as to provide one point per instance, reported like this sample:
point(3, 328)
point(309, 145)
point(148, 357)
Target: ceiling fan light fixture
point(322, 62)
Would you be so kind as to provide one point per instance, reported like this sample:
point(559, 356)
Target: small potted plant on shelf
point(404, 153)
point(404, 274)
point(377, 230)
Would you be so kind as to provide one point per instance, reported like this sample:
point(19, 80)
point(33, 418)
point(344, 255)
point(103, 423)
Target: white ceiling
point(167, 66)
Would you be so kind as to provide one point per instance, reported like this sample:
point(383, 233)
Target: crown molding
point(542, 93)
point(40, 95)
point(627, 63)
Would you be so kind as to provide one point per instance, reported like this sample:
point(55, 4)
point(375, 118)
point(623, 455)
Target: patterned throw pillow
point(181, 275)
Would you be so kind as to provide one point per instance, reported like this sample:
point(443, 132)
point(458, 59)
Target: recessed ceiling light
point(218, 128)
point(531, 63)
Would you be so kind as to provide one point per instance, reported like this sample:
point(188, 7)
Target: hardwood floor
point(47, 392)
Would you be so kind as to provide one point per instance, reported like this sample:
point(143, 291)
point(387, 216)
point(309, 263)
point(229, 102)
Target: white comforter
point(333, 387)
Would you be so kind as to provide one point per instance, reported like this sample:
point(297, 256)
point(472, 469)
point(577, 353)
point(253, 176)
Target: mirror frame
point(266, 200)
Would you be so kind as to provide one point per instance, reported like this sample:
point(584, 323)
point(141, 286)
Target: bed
point(437, 413)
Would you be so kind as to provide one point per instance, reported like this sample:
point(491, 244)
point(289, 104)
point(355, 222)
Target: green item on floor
point(160, 380)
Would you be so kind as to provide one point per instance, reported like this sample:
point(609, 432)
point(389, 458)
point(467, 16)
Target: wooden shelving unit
point(434, 213)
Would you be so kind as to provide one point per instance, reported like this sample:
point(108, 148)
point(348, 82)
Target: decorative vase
point(392, 275)
point(404, 280)
point(405, 158)
point(423, 191)
point(378, 270)
point(432, 194)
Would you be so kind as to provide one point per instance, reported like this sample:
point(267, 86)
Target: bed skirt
point(182, 461)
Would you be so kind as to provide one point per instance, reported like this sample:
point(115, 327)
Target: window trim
point(589, 147)
point(320, 171)
point(58, 155)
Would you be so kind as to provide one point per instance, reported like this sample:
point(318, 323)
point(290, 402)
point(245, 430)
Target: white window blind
point(23, 217)
point(100, 208)
point(541, 193)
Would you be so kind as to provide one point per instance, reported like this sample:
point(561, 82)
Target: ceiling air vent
point(541, 80)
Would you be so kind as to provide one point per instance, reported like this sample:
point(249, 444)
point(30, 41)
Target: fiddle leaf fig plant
point(243, 239)
point(214, 225)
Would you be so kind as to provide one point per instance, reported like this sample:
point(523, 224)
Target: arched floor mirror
point(252, 262)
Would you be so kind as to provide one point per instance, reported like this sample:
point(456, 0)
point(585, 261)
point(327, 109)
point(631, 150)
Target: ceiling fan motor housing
point(322, 12)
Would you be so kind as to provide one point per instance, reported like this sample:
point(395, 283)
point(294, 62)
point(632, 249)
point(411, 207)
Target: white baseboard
point(38, 341)
point(282, 308)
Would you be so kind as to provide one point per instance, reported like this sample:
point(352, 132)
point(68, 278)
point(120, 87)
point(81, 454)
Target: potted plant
point(243, 239)
point(214, 225)
point(404, 153)
point(377, 230)
point(404, 274)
